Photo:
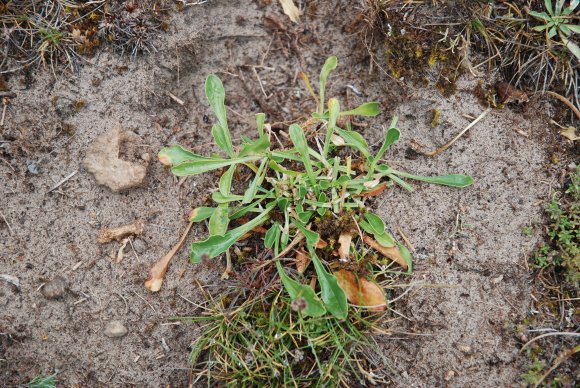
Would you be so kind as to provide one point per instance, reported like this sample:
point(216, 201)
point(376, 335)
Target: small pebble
point(115, 329)
point(55, 288)
point(139, 246)
point(449, 375)
point(464, 348)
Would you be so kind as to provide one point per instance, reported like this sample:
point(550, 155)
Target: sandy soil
point(470, 287)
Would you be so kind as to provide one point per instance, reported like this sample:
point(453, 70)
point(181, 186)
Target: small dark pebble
point(54, 289)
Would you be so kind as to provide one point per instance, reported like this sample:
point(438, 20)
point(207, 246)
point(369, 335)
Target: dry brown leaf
point(392, 253)
point(344, 249)
point(375, 191)
point(321, 244)
point(107, 234)
point(302, 261)
point(157, 273)
point(569, 133)
point(291, 10)
point(360, 291)
point(121, 252)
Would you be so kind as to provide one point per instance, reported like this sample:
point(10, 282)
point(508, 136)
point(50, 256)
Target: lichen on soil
point(470, 289)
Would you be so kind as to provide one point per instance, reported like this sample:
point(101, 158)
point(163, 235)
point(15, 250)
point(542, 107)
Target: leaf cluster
point(326, 170)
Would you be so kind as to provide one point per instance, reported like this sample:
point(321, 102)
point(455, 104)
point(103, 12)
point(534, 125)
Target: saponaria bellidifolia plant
point(326, 172)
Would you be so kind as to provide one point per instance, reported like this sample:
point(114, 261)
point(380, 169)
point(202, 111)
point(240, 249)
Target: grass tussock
point(530, 50)
point(51, 32)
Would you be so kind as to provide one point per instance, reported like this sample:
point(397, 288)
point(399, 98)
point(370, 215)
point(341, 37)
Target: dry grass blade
point(157, 273)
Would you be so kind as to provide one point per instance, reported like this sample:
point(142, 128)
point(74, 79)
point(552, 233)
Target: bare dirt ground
point(471, 282)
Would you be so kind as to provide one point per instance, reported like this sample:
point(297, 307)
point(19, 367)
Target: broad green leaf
point(314, 307)
point(552, 32)
point(540, 28)
point(329, 65)
point(454, 180)
point(201, 213)
point(573, 47)
point(311, 237)
point(355, 140)
point(574, 28)
point(299, 140)
point(221, 139)
point(272, 235)
point(279, 156)
point(216, 245)
point(194, 167)
point(333, 296)
point(218, 222)
point(368, 109)
point(258, 179)
point(218, 197)
point(257, 147)
point(540, 15)
point(215, 93)
point(333, 111)
point(385, 238)
point(276, 167)
point(225, 184)
point(391, 138)
point(260, 119)
point(176, 154)
point(407, 257)
point(375, 222)
point(548, 4)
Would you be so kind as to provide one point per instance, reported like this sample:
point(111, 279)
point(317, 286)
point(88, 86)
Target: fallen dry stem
point(566, 102)
point(157, 273)
point(444, 147)
point(107, 234)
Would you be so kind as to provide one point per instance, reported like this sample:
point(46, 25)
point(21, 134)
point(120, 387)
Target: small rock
point(115, 329)
point(464, 348)
point(449, 375)
point(55, 288)
point(139, 246)
point(102, 160)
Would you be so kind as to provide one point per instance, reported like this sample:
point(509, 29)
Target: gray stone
point(115, 329)
point(54, 289)
point(139, 245)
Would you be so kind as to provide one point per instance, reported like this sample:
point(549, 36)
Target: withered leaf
point(302, 261)
point(392, 253)
point(291, 10)
point(360, 291)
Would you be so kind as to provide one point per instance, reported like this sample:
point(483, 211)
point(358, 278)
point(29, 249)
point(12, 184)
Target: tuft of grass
point(263, 341)
point(562, 251)
point(51, 32)
point(530, 49)
point(42, 382)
